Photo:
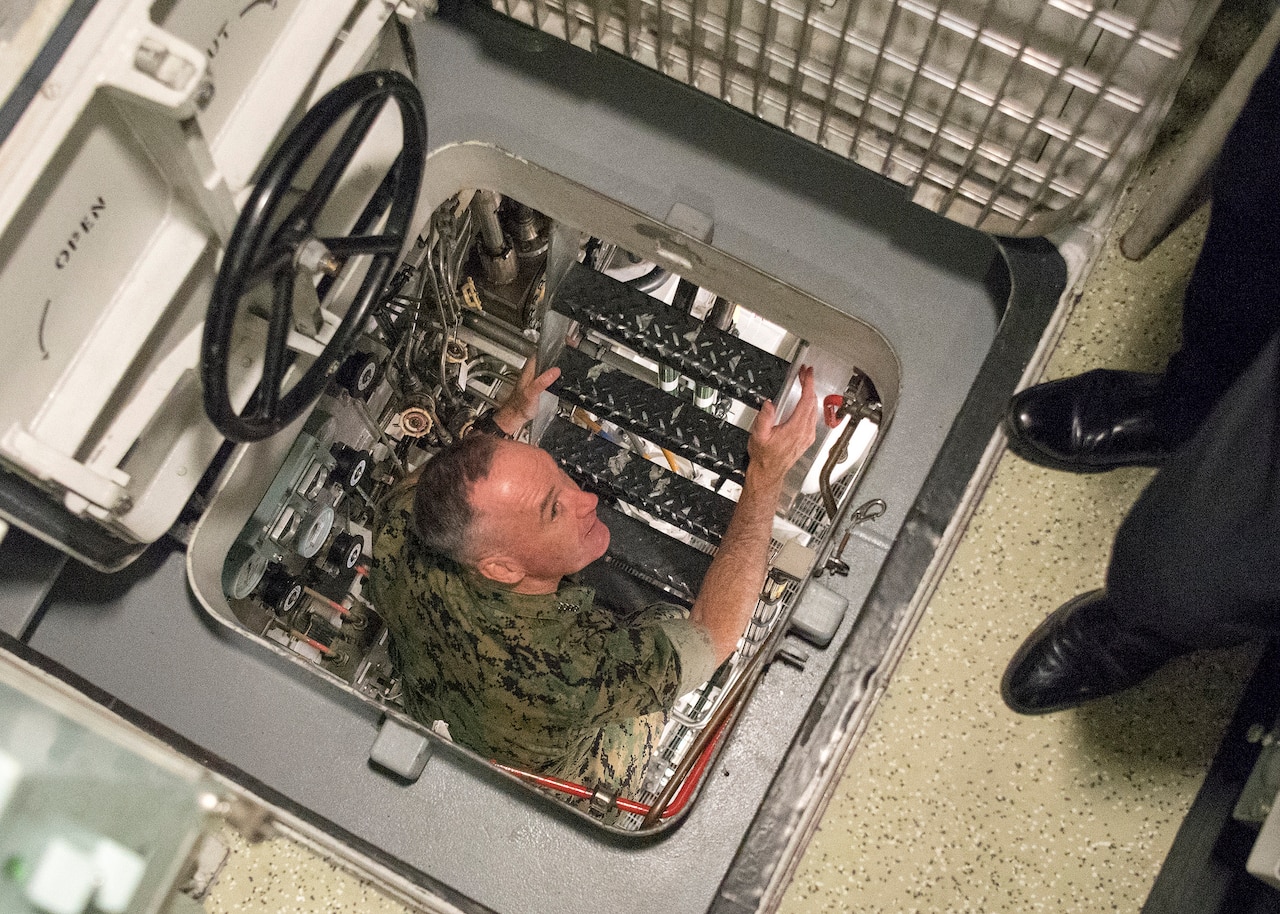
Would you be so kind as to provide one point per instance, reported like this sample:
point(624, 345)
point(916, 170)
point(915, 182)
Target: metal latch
point(868, 510)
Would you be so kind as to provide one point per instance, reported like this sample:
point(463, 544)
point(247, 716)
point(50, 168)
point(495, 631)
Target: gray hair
point(442, 512)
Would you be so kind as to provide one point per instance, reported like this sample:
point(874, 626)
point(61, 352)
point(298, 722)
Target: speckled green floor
point(953, 803)
point(280, 877)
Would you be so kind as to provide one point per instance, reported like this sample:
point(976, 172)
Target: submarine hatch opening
point(660, 380)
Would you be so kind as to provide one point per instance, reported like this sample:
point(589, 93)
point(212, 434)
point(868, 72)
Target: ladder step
point(663, 418)
point(673, 568)
point(670, 336)
point(607, 469)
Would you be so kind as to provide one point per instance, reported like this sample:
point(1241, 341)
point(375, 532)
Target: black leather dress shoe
point(1078, 654)
point(1089, 423)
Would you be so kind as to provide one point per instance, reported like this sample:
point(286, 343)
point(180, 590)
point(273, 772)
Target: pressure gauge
point(243, 571)
point(316, 525)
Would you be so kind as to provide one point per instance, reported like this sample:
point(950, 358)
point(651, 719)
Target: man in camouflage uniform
point(469, 568)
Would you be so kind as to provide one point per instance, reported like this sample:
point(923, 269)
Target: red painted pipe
point(583, 792)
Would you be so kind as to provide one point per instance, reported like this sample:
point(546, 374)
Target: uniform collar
point(570, 598)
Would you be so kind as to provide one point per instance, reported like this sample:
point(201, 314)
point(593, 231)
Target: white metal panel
point(118, 186)
point(263, 57)
point(61, 261)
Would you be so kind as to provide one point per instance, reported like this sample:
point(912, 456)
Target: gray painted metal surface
point(28, 568)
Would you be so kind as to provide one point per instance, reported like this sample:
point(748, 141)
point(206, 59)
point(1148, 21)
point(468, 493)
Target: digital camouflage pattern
point(549, 683)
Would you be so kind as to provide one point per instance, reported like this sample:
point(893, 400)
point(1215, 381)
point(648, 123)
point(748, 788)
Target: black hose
point(651, 281)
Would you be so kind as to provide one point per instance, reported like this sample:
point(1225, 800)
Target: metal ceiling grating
point(1012, 116)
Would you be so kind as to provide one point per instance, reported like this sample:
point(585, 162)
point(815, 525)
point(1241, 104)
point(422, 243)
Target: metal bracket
point(869, 510)
point(400, 750)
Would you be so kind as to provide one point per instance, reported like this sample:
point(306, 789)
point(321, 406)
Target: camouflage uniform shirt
point(550, 683)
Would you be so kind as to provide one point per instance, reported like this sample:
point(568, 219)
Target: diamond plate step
point(661, 417)
point(603, 467)
point(670, 336)
point(673, 569)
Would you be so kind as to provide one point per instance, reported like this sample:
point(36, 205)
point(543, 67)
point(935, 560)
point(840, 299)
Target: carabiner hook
point(869, 510)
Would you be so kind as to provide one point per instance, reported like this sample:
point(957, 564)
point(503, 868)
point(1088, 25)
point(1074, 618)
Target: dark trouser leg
point(1232, 305)
point(1197, 560)
point(1105, 418)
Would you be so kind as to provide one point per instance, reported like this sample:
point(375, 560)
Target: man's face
point(533, 525)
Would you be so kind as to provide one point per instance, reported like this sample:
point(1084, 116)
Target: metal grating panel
point(1008, 115)
point(652, 556)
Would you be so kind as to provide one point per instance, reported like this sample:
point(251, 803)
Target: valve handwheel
point(281, 250)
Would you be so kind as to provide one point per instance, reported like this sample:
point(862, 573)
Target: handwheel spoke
point(309, 208)
point(279, 258)
point(275, 361)
point(351, 246)
point(373, 211)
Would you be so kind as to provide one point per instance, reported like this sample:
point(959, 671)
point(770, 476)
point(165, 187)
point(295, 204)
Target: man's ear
point(501, 569)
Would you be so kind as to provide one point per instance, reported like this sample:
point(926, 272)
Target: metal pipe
point(729, 705)
point(497, 255)
point(484, 206)
point(650, 282)
point(622, 363)
point(582, 792)
point(705, 739)
point(505, 337)
point(719, 316)
point(858, 402)
point(835, 456)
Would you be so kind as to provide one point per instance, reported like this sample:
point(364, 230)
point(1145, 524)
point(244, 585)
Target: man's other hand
point(522, 405)
point(775, 448)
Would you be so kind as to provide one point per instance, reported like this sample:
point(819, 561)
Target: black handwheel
point(265, 248)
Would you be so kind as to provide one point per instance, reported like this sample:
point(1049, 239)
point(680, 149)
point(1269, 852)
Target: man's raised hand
point(522, 405)
point(775, 448)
